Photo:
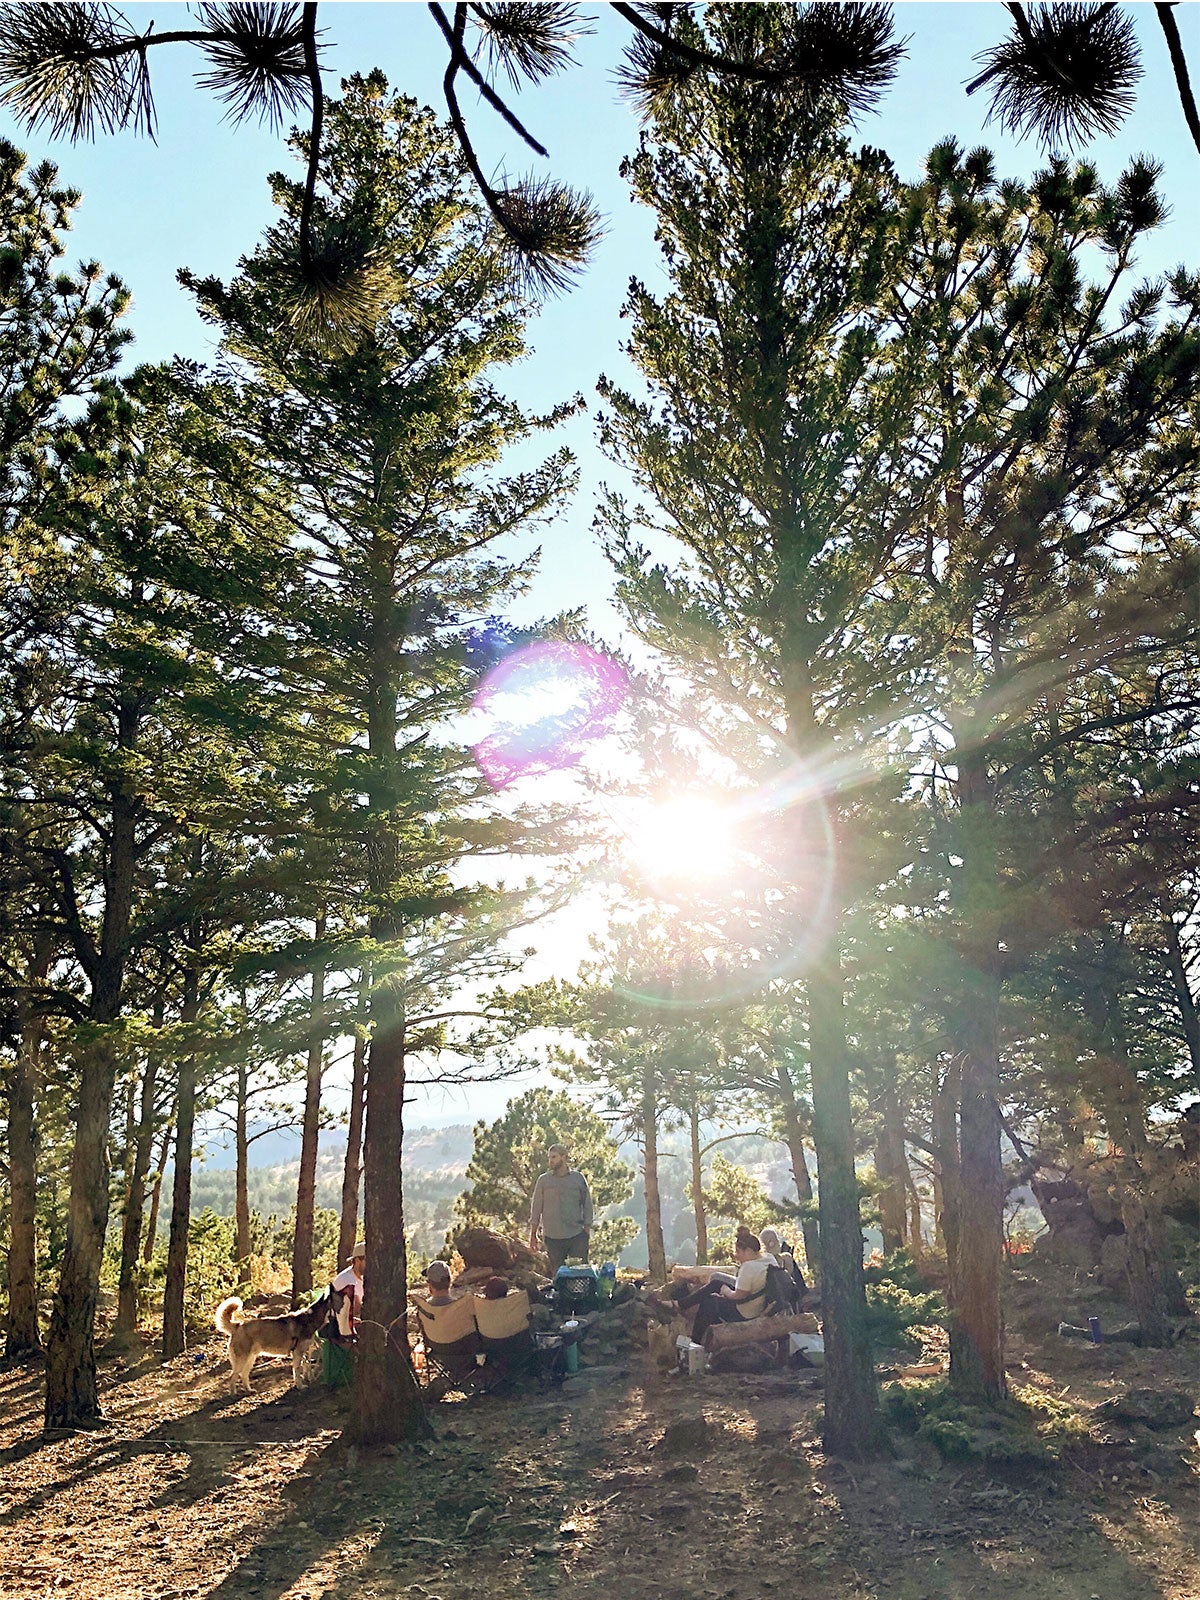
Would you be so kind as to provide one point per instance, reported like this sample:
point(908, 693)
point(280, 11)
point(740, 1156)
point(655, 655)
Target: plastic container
point(697, 1360)
point(809, 1345)
point(576, 1288)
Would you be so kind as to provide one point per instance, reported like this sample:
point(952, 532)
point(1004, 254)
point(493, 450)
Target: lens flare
point(687, 838)
point(751, 881)
point(543, 707)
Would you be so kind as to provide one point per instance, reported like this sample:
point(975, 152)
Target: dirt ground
point(192, 1491)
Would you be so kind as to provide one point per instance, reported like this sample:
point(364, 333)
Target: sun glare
point(688, 838)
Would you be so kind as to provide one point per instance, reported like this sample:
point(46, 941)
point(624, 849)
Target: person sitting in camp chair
point(448, 1332)
point(503, 1316)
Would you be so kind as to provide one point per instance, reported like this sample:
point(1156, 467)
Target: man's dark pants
point(559, 1249)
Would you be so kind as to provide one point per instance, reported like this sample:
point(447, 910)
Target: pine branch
point(1067, 72)
point(1179, 66)
point(846, 50)
point(547, 230)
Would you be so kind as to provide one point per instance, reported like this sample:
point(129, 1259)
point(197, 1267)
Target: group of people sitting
point(487, 1327)
point(726, 1299)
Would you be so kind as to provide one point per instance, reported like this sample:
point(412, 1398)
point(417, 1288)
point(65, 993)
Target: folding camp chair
point(504, 1333)
point(451, 1342)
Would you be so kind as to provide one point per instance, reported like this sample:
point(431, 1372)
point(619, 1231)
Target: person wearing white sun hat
point(351, 1279)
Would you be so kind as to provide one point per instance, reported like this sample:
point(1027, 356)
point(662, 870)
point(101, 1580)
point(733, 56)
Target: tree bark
point(853, 1426)
point(977, 1328)
point(1183, 996)
point(306, 1186)
point(697, 1189)
point(352, 1173)
point(174, 1340)
point(654, 1229)
point(241, 1182)
point(21, 1085)
point(387, 1403)
point(160, 1167)
point(387, 1399)
point(72, 1397)
point(891, 1165)
point(793, 1129)
point(135, 1200)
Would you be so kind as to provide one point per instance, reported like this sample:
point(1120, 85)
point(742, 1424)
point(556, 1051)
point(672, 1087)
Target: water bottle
point(606, 1282)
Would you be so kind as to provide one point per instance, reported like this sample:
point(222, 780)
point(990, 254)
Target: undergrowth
point(1031, 1426)
point(898, 1303)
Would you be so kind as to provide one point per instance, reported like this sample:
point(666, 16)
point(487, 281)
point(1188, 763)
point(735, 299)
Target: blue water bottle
point(607, 1281)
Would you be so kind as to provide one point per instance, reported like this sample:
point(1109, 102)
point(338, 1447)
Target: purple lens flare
point(544, 706)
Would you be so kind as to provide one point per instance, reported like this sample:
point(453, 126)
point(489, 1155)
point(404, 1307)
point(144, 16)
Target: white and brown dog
point(290, 1334)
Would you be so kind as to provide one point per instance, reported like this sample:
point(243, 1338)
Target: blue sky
point(199, 198)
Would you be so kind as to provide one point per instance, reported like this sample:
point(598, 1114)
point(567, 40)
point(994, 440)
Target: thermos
point(1094, 1329)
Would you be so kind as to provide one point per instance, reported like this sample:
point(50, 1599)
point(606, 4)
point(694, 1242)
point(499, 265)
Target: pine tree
point(765, 450)
point(384, 438)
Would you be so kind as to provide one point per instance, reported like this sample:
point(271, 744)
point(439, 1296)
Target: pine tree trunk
point(977, 1328)
point(160, 1167)
point(1153, 1281)
point(72, 1396)
point(1183, 997)
point(655, 1244)
point(853, 1427)
point(916, 1242)
point(21, 1092)
point(793, 1132)
point(306, 1186)
point(891, 1165)
point(174, 1340)
point(135, 1200)
point(241, 1183)
point(387, 1404)
point(352, 1173)
point(387, 1401)
point(697, 1189)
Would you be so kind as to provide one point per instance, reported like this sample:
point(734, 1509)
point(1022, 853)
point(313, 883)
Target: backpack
point(783, 1297)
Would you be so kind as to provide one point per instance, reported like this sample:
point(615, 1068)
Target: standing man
point(562, 1209)
point(351, 1280)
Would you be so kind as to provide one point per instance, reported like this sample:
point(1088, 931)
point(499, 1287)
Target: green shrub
point(897, 1303)
point(1031, 1427)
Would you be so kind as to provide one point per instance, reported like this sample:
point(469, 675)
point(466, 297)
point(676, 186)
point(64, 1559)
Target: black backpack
point(783, 1295)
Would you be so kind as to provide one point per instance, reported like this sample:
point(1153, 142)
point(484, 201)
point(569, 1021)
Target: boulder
point(1157, 1409)
point(480, 1247)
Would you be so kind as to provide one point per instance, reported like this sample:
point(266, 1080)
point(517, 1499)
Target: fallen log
point(695, 1276)
point(759, 1330)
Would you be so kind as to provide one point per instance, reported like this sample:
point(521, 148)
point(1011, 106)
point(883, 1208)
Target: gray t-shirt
point(562, 1204)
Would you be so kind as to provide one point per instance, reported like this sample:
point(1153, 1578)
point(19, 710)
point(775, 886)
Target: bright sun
point(686, 838)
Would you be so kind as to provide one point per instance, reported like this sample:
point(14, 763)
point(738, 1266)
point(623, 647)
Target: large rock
point(480, 1247)
point(1157, 1409)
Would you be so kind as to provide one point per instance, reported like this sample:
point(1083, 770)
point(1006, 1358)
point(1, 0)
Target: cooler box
point(576, 1289)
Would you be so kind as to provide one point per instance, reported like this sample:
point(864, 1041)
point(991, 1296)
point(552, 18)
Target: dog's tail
point(229, 1312)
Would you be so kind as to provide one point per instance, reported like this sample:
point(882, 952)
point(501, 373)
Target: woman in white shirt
point(722, 1301)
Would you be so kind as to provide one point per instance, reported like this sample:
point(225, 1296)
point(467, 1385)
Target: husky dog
point(290, 1334)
